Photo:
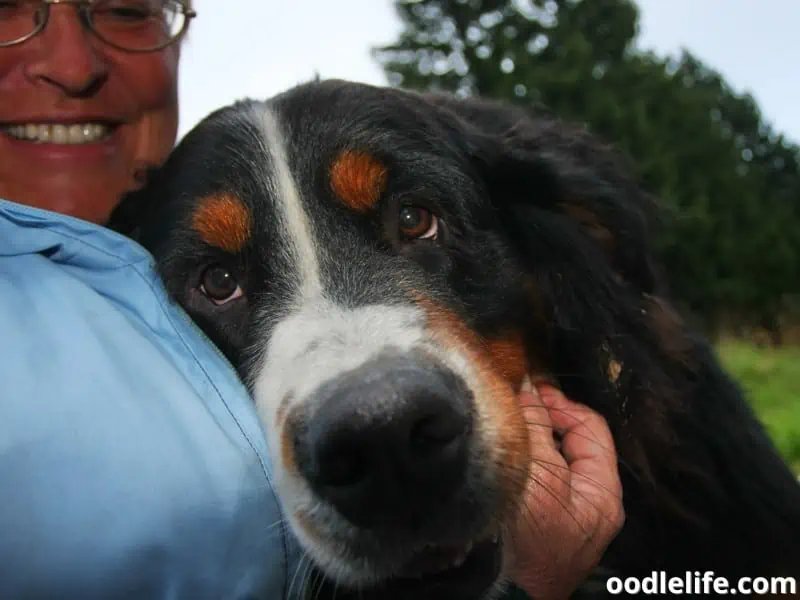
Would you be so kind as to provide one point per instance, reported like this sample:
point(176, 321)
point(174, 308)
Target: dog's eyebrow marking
point(358, 179)
point(222, 220)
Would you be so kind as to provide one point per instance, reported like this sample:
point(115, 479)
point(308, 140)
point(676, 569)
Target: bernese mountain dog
point(383, 267)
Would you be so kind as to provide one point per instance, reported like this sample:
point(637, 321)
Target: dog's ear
point(538, 167)
point(578, 223)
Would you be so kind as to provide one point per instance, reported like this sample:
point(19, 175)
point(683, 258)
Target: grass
point(771, 379)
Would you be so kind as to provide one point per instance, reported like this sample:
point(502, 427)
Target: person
point(131, 458)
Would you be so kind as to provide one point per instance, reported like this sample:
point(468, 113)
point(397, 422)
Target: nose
point(388, 442)
point(68, 57)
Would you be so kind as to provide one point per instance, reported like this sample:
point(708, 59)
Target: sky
point(256, 48)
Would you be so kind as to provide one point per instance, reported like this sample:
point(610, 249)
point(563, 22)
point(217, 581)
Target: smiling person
point(132, 463)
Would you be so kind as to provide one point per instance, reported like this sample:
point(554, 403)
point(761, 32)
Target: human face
point(65, 76)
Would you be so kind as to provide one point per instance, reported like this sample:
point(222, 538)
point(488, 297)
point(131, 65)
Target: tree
point(729, 185)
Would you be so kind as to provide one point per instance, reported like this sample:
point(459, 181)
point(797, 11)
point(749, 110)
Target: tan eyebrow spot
point(358, 179)
point(222, 220)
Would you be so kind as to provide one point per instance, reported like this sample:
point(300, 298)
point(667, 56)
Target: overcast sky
point(240, 48)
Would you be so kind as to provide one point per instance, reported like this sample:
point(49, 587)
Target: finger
point(585, 433)
point(588, 448)
point(537, 416)
point(548, 479)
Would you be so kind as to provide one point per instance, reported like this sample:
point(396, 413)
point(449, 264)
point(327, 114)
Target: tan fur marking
point(500, 411)
point(222, 220)
point(287, 447)
point(510, 357)
point(305, 521)
point(283, 408)
point(358, 179)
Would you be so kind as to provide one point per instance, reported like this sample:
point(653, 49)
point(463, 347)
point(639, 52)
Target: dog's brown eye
point(418, 223)
point(219, 284)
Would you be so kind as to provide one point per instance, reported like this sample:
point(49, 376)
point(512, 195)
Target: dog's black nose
point(387, 443)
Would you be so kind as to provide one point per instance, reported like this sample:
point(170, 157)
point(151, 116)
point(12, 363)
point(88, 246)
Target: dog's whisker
point(581, 475)
point(306, 580)
point(589, 500)
point(319, 583)
point(588, 438)
point(566, 507)
point(303, 558)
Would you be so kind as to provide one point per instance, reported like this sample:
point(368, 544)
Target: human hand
point(573, 508)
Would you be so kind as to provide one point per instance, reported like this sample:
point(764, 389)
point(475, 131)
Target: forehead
point(318, 147)
point(321, 116)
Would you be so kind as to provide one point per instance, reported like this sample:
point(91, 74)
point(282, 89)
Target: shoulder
point(128, 441)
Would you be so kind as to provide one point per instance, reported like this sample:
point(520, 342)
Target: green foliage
point(771, 379)
point(730, 185)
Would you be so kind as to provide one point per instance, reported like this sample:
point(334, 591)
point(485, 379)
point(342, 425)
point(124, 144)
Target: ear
point(579, 225)
point(537, 164)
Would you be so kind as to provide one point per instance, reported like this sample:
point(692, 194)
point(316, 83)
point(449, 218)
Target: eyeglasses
point(130, 25)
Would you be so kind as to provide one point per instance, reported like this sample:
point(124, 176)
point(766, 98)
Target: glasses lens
point(18, 19)
point(138, 24)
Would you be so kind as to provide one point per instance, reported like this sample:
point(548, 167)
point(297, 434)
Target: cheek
point(152, 81)
point(497, 368)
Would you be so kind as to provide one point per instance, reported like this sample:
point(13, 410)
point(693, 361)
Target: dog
point(383, 267)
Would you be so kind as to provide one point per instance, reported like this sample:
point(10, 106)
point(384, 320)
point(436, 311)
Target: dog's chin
point(446, 573)
point(469, 572)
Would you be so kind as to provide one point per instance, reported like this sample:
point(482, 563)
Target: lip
point(470, 581)
point(66, 117)
point(50, 151)
point(480, 569)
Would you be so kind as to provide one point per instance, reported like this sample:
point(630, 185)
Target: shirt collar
point(28, 230)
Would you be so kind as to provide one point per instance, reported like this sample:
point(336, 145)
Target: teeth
point(84, 133)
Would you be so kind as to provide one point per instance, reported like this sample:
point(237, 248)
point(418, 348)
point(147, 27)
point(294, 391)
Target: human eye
point(127, 10)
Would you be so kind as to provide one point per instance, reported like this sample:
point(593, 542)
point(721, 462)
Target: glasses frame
point(84, 10)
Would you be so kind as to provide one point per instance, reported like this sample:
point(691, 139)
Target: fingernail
point(527, 385)
point(549, 394)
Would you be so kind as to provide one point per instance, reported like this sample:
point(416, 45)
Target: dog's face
point(361, 257)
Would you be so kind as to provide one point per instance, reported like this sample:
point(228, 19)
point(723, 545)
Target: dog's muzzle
point(387, 444)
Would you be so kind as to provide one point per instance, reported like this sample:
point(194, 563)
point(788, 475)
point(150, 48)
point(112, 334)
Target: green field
point(771, 378)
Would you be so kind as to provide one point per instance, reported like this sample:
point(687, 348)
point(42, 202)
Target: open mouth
point(66, 134)
point(458, 572)
point(435, 573)
point(437, 559)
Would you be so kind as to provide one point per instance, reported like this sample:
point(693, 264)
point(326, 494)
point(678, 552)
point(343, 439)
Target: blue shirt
point(132, 462)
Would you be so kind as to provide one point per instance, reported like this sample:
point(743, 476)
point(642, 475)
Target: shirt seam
point(135, 263)
point(250, 443)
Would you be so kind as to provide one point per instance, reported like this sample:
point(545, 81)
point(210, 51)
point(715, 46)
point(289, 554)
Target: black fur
point(547, 235)
point(704, 487)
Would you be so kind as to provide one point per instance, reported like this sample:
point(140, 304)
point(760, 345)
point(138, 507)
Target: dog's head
point(383, 268)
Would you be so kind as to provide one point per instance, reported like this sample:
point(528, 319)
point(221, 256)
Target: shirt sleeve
point(127, 470)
